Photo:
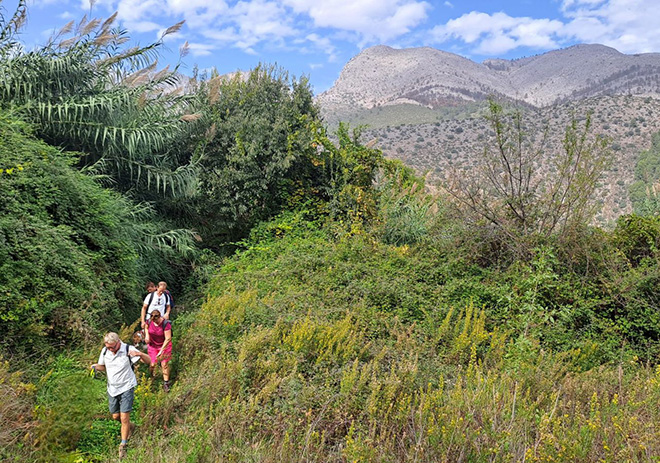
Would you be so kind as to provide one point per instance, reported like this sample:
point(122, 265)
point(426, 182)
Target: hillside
point(453, 141)
point(313, 348)
point(426, 106)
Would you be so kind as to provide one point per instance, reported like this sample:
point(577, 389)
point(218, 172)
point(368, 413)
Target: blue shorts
point(122, 403)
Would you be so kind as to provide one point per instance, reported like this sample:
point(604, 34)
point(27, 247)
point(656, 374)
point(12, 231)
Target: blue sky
point(317, 37)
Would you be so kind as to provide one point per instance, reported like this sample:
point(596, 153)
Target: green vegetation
point(69, 249)
point(88, 92)
point(322, 347)
point(259, 156)
point(335, 310)
point(644, 190)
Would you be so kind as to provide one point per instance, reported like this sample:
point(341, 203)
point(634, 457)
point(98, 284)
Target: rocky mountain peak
point(382, 75)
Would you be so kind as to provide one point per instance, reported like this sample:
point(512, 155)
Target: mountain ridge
point(381, 76)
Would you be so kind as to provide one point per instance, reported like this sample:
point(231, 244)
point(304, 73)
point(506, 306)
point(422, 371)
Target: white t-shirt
point(159, 303)
point(121, 377)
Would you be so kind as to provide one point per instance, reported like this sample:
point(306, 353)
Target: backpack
point(167, 291)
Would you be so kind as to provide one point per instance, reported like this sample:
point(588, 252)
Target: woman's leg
point(165, 365)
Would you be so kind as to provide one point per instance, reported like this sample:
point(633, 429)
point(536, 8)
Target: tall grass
point(300, 354)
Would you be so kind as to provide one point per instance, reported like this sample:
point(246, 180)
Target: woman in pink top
point(158, 337)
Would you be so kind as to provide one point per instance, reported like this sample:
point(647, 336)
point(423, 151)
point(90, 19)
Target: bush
point(68, 258)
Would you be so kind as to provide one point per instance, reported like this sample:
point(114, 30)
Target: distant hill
point(381, 76)
point(426, 106)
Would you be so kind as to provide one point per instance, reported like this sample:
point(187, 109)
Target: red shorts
point(153, 353)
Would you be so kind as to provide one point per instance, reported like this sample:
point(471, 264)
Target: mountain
point(381, 76)
point(426, 106)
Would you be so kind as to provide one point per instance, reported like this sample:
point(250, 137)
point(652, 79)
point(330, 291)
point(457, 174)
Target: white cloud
point(378, 20)
point(324, 44)
point(630, 26)
point(42, 3)
point(144, 26)
point(568, 4)
point(498, 33)
point(627, 25)
point(449, 4)
point(255, 25)
point(138, 10)
point(201, 49)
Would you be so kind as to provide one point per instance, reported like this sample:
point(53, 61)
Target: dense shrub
point(69, 260)
point(258, 155)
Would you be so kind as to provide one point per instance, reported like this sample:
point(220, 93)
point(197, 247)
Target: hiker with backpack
point(171, 299)
point(156, 300)
point(158, 336)
point(117, 360)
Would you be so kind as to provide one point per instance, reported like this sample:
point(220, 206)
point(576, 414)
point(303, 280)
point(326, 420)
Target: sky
point(316, 38)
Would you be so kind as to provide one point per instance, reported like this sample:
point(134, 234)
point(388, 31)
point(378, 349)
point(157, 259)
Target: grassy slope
point(315, 348)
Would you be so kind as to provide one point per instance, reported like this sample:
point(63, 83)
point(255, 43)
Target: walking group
point(117, 358)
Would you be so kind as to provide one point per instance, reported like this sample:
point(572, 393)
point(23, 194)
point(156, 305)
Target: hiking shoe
point(166, 387)
point(123, 449)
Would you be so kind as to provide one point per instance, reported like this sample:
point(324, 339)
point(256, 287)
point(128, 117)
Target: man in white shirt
point(117, 360)
point(156, 300)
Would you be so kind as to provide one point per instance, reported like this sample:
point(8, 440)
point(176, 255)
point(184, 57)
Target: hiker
point(158, 336)
point(117, 359)
point(169, 295)
point(156, 300)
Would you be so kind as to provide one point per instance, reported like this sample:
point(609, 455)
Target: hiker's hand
point(93, 367)
point(144, 324)
point(159, 356)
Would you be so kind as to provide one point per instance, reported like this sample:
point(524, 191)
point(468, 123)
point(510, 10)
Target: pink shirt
point(157, 333)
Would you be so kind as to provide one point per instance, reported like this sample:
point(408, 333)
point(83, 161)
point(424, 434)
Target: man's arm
point(100, 365)
point(167, 312)
point(143, 315)
point(143, 357)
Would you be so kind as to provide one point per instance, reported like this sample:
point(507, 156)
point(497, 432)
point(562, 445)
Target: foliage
point(322, 349)
point(517, 196)
point(644, 190)
point(259, 155)
point(351, 169)
point(67, 403)
point(87, 92)
point(16, 403)
point(73, 255)
point(407, 213)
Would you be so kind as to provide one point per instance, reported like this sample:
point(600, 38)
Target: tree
point(258, 156)
point(89, 93)
point(644, 192)
point(527, 190)
point(70, 251)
